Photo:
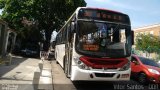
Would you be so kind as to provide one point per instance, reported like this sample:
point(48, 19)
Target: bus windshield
point(103, 39)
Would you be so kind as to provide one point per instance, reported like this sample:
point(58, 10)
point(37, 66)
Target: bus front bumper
point(99, 75)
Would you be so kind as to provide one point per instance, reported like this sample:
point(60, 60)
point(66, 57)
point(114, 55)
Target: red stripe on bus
point(104, 62)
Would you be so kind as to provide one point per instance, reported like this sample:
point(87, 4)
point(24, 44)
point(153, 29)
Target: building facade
point(151, 29)
point(7, 39)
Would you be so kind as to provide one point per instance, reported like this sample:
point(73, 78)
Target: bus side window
point(57, 39)
point(72, 26)
point(68, 31)
point(60, 37)
point(65, 34)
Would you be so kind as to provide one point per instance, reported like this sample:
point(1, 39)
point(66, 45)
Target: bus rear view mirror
point(132, 36)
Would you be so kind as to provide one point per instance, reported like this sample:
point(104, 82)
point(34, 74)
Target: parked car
point(31, 50)
point(158, 62)
point(145, 70)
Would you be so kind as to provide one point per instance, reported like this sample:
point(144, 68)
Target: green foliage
point(148, 43)
point(40, 14)
point(2, 3)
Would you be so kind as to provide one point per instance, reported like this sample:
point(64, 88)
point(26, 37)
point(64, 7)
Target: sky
point(141, 12)
point(0, 11)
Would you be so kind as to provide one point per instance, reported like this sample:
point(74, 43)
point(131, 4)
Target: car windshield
point(103, 39)
point(149, 62)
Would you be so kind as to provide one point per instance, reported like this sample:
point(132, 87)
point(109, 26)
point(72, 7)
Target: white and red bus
point(95, 44)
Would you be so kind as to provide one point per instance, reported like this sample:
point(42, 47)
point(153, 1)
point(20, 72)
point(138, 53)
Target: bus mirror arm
point(132, 36)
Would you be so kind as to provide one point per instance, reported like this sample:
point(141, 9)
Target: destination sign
point(104, 15)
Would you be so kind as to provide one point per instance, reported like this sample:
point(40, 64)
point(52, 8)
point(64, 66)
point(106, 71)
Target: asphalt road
point(60, 82)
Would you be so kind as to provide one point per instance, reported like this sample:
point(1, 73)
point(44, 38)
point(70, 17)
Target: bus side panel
point(60, 52)
point(74, 54)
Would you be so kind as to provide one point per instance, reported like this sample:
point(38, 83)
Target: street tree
point(147, 43)
point(26, 16)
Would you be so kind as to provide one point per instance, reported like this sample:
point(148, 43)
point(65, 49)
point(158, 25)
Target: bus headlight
point(125, 67)
point(80, 64)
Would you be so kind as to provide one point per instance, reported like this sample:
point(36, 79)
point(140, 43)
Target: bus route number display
point(91, 47)
point(102, 15)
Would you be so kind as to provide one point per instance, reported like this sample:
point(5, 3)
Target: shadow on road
point(16, 60)
point(96, 85)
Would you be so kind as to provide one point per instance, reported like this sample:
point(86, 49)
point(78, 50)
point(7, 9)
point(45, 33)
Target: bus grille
point(106, 68)
point(104, 74)
point(105, 62)
point(109, 63)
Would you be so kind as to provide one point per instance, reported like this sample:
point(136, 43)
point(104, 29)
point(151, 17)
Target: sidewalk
point(20, 75)
point(45, 82)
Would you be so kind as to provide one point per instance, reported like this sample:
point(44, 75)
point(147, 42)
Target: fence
point(144, 53)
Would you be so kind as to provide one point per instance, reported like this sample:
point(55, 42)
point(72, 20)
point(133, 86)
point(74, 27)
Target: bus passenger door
point(68, 52)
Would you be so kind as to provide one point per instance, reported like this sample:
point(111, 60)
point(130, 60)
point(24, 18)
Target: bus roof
point(100, 9)
point(93, 9)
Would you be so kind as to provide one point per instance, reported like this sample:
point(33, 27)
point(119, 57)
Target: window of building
point(151, 32)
